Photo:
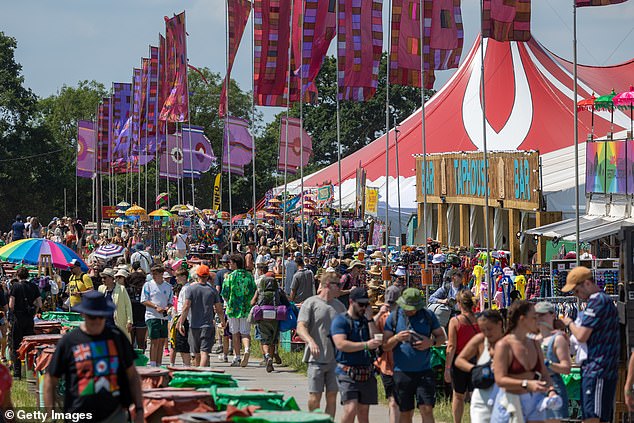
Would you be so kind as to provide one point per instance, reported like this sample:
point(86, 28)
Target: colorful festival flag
point(310, 46)
point(189, 154)
point(175, 108)
point(585, 3)
point(237, 138)
point(272, 39)
point(360, 43)
point(121, 121)
point(145, 85)
point(238, 16)
point(103, 136)
point(406, 47)
point(135, 138)
point(300, 145)
point(153, 73)
point(444, 32)
point(217, 194)
point(171, 161)
point(506, 20)
point(86, 146)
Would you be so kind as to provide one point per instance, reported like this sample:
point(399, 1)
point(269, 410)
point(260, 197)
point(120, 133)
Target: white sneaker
point(245, 359)
point(235, 362)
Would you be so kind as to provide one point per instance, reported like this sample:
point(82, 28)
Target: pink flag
point(272, 39)
point(584, 3)
point(103, 136)
point(86, 146)
point(300, 145)
point(506, 20)
point(360, 42)
point(445, 34)
point(238, 16)
point(171, 161)
point(237, 138)
point(310, 46)
point(175, 108)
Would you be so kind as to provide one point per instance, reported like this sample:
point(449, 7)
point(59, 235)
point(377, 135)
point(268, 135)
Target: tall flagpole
point(156, 124)
point(423, 138)
point(398, 179)
point(255, 220)
point(288, 106)
point(301, 127)
point(340, 247)
point(487, 273)
point(191, 154)
point(387, 136)
point(147, 102)
point(576, 125)
point(227, 131)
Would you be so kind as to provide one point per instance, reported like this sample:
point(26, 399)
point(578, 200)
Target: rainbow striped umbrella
point(28, 251)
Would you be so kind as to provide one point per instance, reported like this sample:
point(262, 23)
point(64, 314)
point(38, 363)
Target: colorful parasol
point(123, 205)
point(135, 211)
point(605, 103)
point(274, 201)
point(178, 207)
point(162, 198)
point(223, 215)
point(28, 251)
point(161, 213)
point(109, 251)
point(625, 100)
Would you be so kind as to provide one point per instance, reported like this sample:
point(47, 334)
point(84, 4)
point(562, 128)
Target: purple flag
point(238, 138)
point(187, 155)
point(136, 111)
point(86, 146)
point(300, 145)
point(171, 162)
point(121, 120)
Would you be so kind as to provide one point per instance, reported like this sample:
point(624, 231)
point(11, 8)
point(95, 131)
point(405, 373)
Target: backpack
point(394, 319)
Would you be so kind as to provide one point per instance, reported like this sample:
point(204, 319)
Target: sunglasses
point(88, 317)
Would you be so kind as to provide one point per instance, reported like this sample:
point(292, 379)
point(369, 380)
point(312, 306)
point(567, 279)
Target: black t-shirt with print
point(94, 371)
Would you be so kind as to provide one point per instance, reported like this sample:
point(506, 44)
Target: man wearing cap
point(78, 284)
point(353, 336)
point(351, 280)
point(303, 285)
point(116, 293)
point(410, 332)
point(313, 326)
point(97, 364)
point(204, 302)
point(599, 329)
point(156, 296)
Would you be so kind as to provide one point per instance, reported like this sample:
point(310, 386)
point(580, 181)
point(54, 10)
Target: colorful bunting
point(175, 108)
point(86, 146)
point(300, 147)
point(238, 16)
point(238, 138)
point(506, 20)
point(360, 43)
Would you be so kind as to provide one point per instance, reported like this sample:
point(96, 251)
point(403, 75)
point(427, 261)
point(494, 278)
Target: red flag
point(584, 3)
point(272, 39)
point(507, 20)
point(175, 108)
point(238, 16)
point(103, 136)
point(300, 145)
point(153, 73)
point(145, 79)
point(445, 33)
point(310, 47)
point(360, 42)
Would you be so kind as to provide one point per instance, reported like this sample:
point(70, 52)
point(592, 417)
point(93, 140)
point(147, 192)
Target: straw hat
point(378, 255)
point(355, 263)
point(375, 270)
point(275, 250)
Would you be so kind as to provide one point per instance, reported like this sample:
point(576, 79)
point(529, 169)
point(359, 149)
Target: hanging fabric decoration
point(238, 16)
point(103, 136)
point(319, 29)
point(506, 20)
point(444, 32)
point(175, 108)
point(136, 118)
point(121, 121)
point(86, 146)
point(270, 67)
point(300, 146)
point(406, 47)
point(171, 162)
point(202, 155)
point(360, 43)
point(584, 3)
point(238, 138)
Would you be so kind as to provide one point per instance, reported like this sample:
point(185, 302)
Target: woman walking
point(481, 348)
point(462, 328)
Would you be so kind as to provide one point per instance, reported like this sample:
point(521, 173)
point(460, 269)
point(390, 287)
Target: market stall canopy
point(529, 99)
point(590, 228)
point(29, 251)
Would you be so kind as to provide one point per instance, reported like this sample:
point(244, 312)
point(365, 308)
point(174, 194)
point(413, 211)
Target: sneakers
point(235, 362)
point(277, 359)
point(245, 359)
point(223, 358)
point(269, 364)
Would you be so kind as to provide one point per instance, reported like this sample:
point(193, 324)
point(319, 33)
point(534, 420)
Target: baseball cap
point(203, 270)
point(166, 275)
point(544, 307)
point(74, 263)
point(575, 277)
point(359, 295)
point(225, 258)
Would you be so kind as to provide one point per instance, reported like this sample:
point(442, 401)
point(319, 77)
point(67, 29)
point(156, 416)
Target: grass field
point(20, 395)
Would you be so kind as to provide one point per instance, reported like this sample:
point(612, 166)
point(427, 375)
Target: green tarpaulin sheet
point(62, 316)
point(201, 380)
point(141, 359)
point(242, 398)
point(284, 417)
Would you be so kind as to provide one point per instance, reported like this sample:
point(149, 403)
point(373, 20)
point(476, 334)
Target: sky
point(64, 41)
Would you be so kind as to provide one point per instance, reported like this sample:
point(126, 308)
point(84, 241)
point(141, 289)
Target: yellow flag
point(371, 200)
point(217, 194)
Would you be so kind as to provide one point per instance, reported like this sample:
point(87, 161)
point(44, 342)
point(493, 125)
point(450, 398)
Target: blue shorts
point(530, 408)
point(597, 398)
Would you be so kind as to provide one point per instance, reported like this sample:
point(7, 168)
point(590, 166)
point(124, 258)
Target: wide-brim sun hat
point(411, 300)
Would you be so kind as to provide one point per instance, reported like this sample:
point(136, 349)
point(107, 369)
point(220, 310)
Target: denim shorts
point(530, 408)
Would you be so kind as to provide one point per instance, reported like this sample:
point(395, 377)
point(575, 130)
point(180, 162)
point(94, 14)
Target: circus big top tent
point(529, 95)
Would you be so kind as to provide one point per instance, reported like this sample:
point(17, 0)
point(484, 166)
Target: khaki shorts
point(322, 376)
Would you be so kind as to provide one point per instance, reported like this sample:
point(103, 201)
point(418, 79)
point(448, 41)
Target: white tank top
point(485, 356)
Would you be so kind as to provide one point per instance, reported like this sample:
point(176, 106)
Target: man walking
point(303, 285)
point(156, 296)
point(97, 364)
point(410, 332)
point(142, 257)
point(79, 283)
point(238, 290)
point(352, 334)
point(204, 302)
point(313, 326)
point(24, 302)
point(599, 329)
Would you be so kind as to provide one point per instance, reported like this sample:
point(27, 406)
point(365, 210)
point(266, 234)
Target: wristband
point(365, 346)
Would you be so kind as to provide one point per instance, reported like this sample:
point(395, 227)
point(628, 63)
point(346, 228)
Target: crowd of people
point(509, 364)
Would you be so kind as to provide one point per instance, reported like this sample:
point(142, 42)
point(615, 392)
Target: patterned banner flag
point(585, 3)
point(145, 91)
point(121, 120)
point(238, 138)
point(153, 73)
point(506, 20)
point(360, 43)
point(171, 162)
point(272, 39)
point(238, 16)
point(191, 154)
point(444, 32)
point(406, 47)
point(86, 146)
point(217, 193)
point(103, 136)
point(175, 108)
point(310, 46)
point(135, 138)
point(300, 145)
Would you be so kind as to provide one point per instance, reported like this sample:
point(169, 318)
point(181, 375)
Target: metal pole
point(191, 154)
point(301, 128)
point(398, 181)
point(288, 106)
point(253, 115)
point(226, 129)
point(387, 139)
point(487, 273)
point(424, 141)
point(339, 136)
point(576, 126)
point(147, 102)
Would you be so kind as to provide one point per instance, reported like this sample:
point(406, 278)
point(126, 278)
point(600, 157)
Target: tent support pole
point(576, 125)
